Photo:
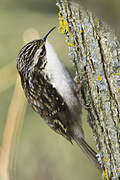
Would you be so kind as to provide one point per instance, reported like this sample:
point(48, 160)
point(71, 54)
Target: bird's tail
point(91, 154)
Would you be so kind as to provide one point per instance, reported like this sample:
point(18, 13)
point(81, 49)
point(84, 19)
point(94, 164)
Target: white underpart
point(62, 81)
point(60, 78)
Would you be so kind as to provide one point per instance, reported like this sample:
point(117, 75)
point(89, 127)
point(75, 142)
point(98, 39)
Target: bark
point(108, 10)
point(95, 51)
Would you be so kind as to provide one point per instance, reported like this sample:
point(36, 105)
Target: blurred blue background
point(40, 153)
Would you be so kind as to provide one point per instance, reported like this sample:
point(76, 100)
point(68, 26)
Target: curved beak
point(46, 35)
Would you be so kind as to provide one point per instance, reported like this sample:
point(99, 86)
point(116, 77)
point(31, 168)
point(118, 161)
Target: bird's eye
point(42, 51)
point(41, 54)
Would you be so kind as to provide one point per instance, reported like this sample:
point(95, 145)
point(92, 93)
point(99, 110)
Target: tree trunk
point(95, 51)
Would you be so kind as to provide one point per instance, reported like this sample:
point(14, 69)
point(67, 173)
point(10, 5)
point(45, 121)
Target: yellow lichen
point(66, 26)
point(117, 73)
point(105, 174)
point(64, 29)
point(119, 170)
point(96, 21)
point(70, 44)
point(63, 25)
point(119, 90)
point(99, 78)
point(105, 159)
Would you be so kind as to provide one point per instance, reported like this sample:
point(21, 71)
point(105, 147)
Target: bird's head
point(32, 55)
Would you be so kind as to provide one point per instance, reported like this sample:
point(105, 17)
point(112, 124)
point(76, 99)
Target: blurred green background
point(40, 153)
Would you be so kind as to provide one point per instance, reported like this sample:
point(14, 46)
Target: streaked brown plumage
point(50, 91)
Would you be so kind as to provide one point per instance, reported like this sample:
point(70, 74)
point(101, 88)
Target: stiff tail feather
point(91, 154)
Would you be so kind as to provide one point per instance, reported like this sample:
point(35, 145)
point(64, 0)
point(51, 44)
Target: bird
point(51, 91)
